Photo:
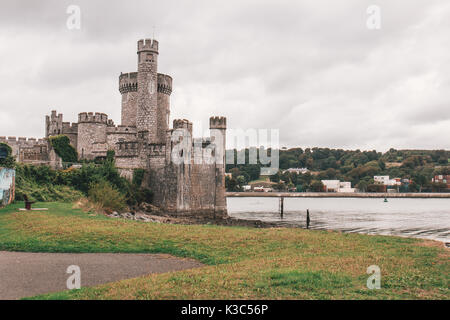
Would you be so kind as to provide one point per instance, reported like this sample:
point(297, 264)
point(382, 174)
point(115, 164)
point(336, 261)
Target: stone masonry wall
point(17, 144)
point(92, 135)
point(147, 88)
point(128, 88)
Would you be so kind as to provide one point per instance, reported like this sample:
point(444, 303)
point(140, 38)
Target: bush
point(105, 195)
point(46, 193)
point(8, 161)
point(136, 195)
point(39, 181)
point(138, 177)
point(62, 147)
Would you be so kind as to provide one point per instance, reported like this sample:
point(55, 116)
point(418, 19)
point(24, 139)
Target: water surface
point(419, 218)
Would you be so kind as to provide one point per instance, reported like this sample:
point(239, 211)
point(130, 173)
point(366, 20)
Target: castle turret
point(92, 135)
point(53, 124)
point(147, 101)
point(163, 110)
point(128, 86)
point(218, 127)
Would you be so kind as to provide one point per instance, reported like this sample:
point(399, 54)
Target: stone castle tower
point(186, 175)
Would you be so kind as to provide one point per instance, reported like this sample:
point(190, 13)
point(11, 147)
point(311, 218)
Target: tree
point(231, 184)
point(420, 180)
point(317, 186)
point(6, 158)
point(362, 186)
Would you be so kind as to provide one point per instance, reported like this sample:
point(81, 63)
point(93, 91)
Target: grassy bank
point(241, 263)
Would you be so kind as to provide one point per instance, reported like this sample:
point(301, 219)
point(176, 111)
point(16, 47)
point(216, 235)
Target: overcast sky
point(312, 69)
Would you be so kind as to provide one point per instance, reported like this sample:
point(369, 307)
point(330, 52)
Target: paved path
point(25, 274)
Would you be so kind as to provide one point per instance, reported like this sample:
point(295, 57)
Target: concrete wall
point(7, 186)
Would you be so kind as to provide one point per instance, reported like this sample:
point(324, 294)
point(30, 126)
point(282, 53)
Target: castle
point(186, 175)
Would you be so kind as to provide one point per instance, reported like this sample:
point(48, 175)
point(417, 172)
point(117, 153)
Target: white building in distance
point(296, 170)
point(385, 180)
point(338, 186)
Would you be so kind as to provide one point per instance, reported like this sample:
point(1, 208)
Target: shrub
point(136, 195)
point(8, 161)
point(138, 177)
point(38, 181)
point(46, 193)
point(62, 147)
point(105, 195)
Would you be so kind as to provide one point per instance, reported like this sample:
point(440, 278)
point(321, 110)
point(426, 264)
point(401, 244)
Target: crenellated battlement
point(54, 116)
point(70, 127)
point(148, 45)
point(128, 82)
point(182, 124)
point(164, 83)
point(217, 123)
point(97, 117)
point(22, 141)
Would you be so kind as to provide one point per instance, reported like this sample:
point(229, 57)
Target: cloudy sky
point(310, 68)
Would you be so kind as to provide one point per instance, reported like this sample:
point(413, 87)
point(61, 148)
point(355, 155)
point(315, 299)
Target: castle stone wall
point(17, 144)
point(147, 88)
point(144, 140)
point(163, 110)
point(92, 140)
point(128, 86)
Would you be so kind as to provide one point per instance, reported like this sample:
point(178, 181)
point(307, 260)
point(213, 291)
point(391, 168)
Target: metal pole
point(307, 219)
point(281, 206)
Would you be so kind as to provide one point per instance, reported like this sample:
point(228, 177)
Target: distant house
point(386, 181)
point(442, 178)
point(296, 170)
point(337, 186)
point(262, 189)
point(247, 188)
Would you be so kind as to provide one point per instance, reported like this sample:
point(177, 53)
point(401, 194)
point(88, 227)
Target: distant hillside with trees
point(356, 166)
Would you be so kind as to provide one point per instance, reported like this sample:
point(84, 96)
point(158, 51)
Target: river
point(418, 218)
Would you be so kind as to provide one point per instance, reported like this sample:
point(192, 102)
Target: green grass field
point(241, 263)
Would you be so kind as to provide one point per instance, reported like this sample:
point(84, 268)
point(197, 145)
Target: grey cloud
point(309, 68)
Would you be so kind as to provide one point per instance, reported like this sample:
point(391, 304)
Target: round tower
point(147, 79)
point(128, 86)
point(91, 132)
point(218, 128)
point(163, 109)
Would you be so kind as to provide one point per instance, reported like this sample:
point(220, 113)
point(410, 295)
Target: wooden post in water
point(281, 206)
point(307, 219)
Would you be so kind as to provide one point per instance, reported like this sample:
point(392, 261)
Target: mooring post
point(281, 206)
point(307, 219)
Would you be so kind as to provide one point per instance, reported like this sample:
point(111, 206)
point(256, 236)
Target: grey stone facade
point(144, 140)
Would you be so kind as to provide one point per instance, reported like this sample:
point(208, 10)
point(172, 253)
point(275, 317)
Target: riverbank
point(339, 195)
point(241, 262)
